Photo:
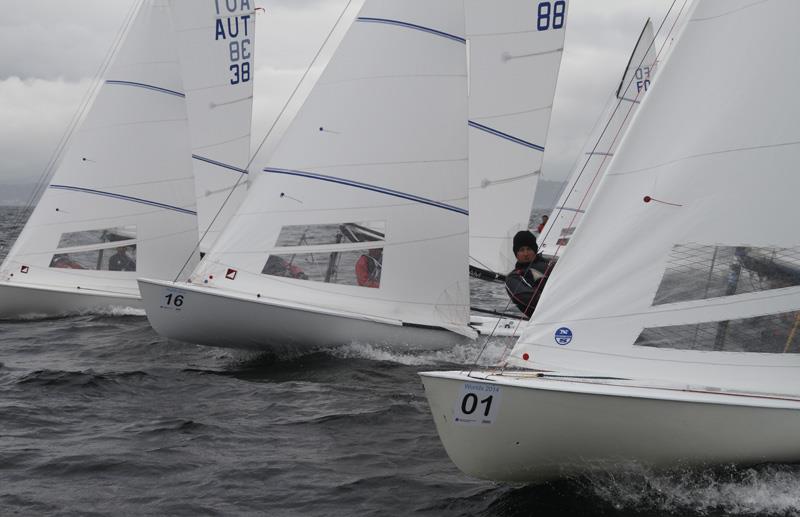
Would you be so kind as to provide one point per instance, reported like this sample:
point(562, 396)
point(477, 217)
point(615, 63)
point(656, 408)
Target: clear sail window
point(102, 236)
point(353, 267)
point(335, 233)
point(122, 258)
point(772, 334)
point(699, 272)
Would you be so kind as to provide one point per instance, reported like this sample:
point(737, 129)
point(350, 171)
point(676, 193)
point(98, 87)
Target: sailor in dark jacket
point(525, 284)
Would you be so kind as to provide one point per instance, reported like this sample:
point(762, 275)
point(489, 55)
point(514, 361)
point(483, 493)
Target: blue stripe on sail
point(219, 164)
point(147, 87)
point(412, 26)
point(367, 186)
point(505, 135)
point(124, 198)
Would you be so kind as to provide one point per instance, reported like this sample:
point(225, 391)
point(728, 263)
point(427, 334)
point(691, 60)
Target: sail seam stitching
point(146, 86)
point(412, 26)
point(219, 164)
point(124, 198)
point(508, 137)
point(367, 186)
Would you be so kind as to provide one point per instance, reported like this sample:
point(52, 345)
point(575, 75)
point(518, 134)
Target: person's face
point(525, 254)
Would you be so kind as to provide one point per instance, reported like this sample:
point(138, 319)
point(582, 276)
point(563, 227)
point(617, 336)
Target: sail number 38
point(550, 15)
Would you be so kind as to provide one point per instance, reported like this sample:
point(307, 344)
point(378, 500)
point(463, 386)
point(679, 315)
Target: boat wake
point(466, 354)
point(117, 311)
point(113, 312)
point(762, 490)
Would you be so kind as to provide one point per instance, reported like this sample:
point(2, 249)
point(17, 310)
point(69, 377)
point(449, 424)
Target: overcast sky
point(50, 51)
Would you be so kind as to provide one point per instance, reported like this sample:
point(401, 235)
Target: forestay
point(515, 50)
point(120, 203)
point(216, 40)
point(686, 265)
point(601, 145)
point(363, 205)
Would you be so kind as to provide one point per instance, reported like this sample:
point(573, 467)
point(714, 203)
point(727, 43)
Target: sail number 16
point(175, 300)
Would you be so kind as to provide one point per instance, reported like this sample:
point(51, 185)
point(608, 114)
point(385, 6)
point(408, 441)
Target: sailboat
point(171, 117)
point(594, 159)
point(677, 351)
point(357, 228)
point(119, 205)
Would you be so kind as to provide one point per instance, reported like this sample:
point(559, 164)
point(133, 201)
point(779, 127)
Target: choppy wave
point(762, 490)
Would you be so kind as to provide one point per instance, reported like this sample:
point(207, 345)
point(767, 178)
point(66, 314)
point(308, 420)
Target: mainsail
point(120, 204)
point(363, 204)
point(216, 41)
point(684, 268)
point(515, 51)
point(601, 145)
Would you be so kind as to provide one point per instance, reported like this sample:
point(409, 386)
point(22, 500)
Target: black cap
point(525, 238)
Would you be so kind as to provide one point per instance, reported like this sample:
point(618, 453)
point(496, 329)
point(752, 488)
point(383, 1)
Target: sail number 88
point(551, 15)
point(470, 403)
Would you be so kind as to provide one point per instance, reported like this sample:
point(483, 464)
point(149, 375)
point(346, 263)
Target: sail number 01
point(550, 15)
point(476, 404)
point(470, 403)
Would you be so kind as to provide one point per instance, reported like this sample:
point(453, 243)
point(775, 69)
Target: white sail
point(125, 180)
point(685, 268)
point(376, 159)
point(515, 50)
point(216, 42)
point(601, 145)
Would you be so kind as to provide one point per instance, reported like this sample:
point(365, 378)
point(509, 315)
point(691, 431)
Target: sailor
point(120, 261)
point(541, 226)
point(524, 285)
point(368, 268)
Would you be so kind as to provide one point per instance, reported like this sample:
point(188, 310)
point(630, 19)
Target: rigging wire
point(266, 136)
point(503, 363)
point(83, 107)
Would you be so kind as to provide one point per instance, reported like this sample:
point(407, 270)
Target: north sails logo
point(563, 336)
point(230, 274)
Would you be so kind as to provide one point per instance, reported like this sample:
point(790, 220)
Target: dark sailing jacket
point(525, 284)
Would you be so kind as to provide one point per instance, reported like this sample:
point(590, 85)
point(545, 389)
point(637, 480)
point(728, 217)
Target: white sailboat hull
point(541, 429)
point(27, 301)
point(211, 317)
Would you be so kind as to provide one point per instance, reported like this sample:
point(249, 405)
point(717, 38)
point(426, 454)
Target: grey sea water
point(101, 416)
